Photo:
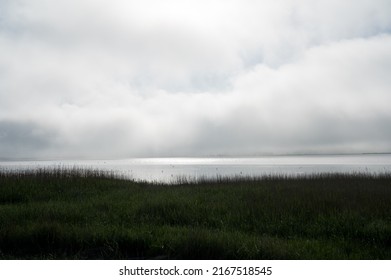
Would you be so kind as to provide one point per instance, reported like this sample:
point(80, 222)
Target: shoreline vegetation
point(92, 214)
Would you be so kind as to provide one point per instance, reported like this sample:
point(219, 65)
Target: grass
point(83, 214)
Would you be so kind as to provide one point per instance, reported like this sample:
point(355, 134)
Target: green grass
point(81, 214)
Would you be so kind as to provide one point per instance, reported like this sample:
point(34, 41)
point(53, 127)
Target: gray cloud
point(24, 139)
point(147, 78)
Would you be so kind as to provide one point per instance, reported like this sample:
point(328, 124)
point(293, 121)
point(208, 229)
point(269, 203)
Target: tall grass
point(90, 214)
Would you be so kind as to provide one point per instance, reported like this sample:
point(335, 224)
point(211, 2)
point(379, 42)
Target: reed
point(90, 214)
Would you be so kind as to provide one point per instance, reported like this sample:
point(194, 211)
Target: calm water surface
point(169, 169)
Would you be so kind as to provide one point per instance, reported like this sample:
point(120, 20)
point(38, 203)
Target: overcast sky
point(123, 78)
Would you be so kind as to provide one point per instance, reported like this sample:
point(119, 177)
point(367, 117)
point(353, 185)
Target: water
point(169, 169)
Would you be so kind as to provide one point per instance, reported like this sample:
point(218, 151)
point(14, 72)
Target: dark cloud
point(24, 139)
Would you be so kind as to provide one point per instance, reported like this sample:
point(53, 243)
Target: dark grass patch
point(84, 214)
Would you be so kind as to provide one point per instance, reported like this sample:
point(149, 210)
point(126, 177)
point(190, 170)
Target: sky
point(150, 78)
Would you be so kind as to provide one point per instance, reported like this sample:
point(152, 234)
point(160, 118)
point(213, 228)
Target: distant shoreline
point(5, 159)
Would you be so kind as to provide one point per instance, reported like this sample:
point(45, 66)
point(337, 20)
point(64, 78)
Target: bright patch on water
point(169, 169)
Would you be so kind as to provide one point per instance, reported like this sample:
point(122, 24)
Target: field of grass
point(81, 214)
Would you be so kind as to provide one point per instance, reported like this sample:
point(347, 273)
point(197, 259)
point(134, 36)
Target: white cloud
point(123, 78)
point(333, 94)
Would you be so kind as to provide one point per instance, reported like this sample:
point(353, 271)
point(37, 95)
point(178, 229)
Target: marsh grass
point(90, 214)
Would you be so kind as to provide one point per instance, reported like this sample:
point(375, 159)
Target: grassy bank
point(79, 214)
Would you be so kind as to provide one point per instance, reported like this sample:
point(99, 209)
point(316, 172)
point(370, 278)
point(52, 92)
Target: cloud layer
point(193, 78)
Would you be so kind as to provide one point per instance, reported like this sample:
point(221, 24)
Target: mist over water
point(170, 169)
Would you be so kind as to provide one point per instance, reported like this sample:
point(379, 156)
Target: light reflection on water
point(169, 169)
